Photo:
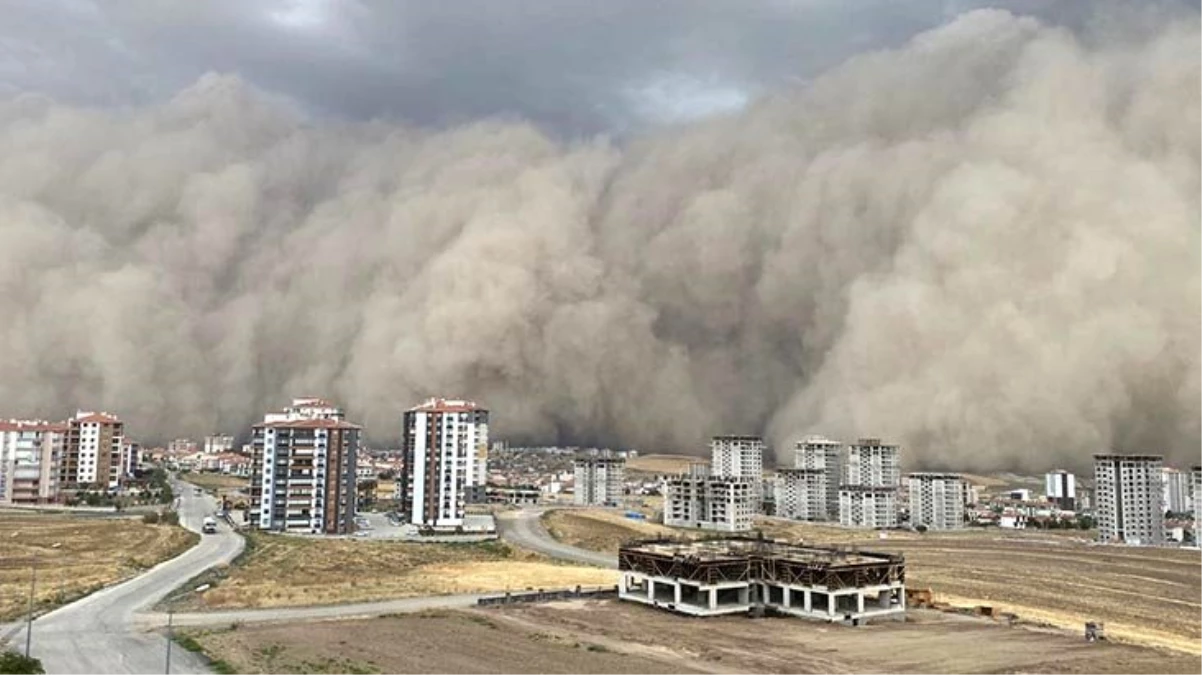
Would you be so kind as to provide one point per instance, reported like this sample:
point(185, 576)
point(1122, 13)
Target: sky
point(967, 227)
point(574, 67)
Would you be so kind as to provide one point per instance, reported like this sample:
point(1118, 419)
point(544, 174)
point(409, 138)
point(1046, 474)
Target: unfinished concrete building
point(703, 501)
point(600, 480)
point(735, 575)
point(801, 494)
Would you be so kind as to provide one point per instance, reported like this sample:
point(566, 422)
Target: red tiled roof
point(99, 418)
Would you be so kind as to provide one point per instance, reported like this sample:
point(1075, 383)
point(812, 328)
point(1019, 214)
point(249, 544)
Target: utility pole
point(33, 586)
point(169, 639)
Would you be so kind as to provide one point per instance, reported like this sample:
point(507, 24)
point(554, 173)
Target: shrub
point(169, 518)
point(151, 518)
point(13, 662)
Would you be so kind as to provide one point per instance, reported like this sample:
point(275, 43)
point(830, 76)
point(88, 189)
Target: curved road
point(98, 633)
point(523, 528)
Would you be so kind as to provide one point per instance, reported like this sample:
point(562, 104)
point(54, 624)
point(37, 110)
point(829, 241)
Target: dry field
point(612, 637)
point(221, 484)
point(1145, 596)
point(599, 530)
point(76, 555)
point(282, 571)
point(663, 463)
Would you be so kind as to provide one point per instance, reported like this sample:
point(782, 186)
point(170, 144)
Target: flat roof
point(1130, 458)
point(734, 549)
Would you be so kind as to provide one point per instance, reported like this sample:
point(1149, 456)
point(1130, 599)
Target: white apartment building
point(30, 452)
point(822, 454)
point(218, 444)
point(1195, 475)
point(1177, 490)
point(1129, 495)
point(937, 500)
point(871, 463)
point(1060, 489)
point(867, 506)
point(600, 481)
point(307, 408)
point(93, 451)
point(739, 457)
point(446, 461)
point(698, 500)
point(801, 494)
point(303, 474)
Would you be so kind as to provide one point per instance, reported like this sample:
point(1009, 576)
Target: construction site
point(733, 575)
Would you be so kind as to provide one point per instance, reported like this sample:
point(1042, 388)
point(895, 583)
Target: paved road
point(523, 528)
point(98, 634)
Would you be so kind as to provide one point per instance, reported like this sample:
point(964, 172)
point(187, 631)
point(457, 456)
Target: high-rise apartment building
point(600, 480)
point(816, 453)
point(218, 444)
point(303, 473)
point(701, 500)
point(92, 452)
point(937, 500)
point(872, 463)
point(801, 494)
point(867, 506)
point(1195, 479)
point(1129, 496)
point(446, 461)
point(30, 452)
point(1176, 490)
point(868, 494)
point(1060, 488)
point(740, 457)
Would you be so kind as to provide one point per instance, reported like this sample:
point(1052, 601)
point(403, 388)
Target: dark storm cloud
point(573, 67)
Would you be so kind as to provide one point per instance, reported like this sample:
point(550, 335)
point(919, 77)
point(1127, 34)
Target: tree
point(12, 662)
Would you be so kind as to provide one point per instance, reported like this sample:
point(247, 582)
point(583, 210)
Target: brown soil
point(285, 571)
point(1144, 596)
point(613, 637)
point(76, 555)
point(661, 464)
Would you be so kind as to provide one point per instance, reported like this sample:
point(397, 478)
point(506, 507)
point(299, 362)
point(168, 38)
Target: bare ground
point(76, 555)
point(1144, 596)
point(282, 571)
point(613, 637)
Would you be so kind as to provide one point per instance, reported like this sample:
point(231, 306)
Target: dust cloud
point(983, 245)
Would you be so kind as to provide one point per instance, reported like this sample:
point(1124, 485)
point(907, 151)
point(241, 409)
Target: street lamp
point(170, 621)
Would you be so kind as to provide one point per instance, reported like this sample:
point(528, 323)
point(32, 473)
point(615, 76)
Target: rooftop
point(446, 405)
point(1130, 458)
point(320, 423)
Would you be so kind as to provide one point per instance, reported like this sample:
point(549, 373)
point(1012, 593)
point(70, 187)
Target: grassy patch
point(77, 556)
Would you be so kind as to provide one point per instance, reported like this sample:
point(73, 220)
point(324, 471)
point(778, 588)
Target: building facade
point(1195, 479)
point(92, 452)
point(868, 494)
point(867, 506)
point(1060, 489)
point(446, 461)
point(827, 456)
point(303, 474)
point(1129, 496)
point(600, 481)
point(801, 494)
point(30, 452)
point(872, 463)
point(937, 500)
point(699, 500)
point(218, 444)
point(1177, 490)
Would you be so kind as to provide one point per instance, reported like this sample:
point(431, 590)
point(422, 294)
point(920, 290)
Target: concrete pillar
point(883, 598)
point(808, 607)
point(745, 595)
point(713, 598)
point(832, 601)
point(859, 602)
point(651, 589)
point(676, 590)
point(622, 585)
point(787, 596)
